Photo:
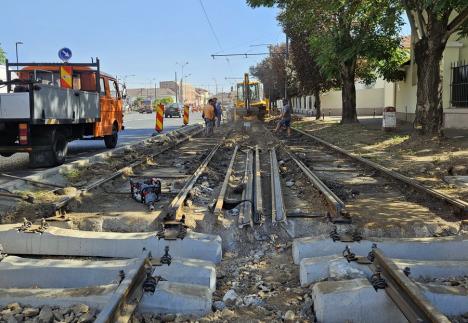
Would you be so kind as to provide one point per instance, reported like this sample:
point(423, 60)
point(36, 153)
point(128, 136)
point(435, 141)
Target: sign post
point(186, 114)
point(65, 54)
point(159, 118)
point(66, 72)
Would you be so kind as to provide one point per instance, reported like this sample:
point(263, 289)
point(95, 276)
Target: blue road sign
point(65, 54)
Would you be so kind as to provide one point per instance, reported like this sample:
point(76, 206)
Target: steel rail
point(338, 206)
point(258, 204)
point(405, 293)
point(458, 204)
point(278, 212)
point(222, 193)
point(62, 203)
point(173, 210)
point(31, 181)
point(245, 215)
point(125, 299)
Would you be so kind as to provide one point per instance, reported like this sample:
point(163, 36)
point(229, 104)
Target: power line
point(214, 32)
point(211, 26)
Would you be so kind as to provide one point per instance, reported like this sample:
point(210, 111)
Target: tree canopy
point(349, 40)
point(2, 56)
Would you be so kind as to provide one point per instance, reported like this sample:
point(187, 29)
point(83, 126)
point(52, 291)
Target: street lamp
point(181, 87)
point(16, 46)
point(216, 84)
point(182, 65)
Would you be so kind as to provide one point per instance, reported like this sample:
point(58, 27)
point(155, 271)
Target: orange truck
point(48, 105)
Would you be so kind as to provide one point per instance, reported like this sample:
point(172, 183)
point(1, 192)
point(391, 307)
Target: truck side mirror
point(124, 96)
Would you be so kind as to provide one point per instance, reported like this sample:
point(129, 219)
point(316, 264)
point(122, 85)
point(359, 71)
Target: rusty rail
point(458, 204)
point(245, 215)
point(405, 293)
point(278, 212)
point(222, 193)
point(173, 210)
point(125, 299)
point(258, 204)
point(62, 203)
point(337, 205)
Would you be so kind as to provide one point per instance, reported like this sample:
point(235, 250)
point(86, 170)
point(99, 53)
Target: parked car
point(146, 109)
point(173, 110)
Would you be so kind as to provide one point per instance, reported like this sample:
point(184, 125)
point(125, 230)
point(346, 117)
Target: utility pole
point(181, 89)
point(182, 65)
point(216, 86)
point(176, 89)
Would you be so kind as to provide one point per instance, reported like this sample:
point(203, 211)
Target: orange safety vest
point(208, 112)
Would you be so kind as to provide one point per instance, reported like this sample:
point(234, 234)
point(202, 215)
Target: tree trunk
point(429, 110)
point(348, 92)
point(317, 104)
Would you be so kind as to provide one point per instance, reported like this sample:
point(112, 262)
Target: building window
point(459, 90)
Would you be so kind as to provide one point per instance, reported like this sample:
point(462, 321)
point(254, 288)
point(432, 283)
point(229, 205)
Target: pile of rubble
point(15, 313)
point(262, 285)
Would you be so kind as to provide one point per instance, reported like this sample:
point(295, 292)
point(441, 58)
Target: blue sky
point(143, 37)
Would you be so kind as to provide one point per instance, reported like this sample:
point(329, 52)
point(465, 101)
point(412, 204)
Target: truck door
point(116, 102)
point(104, 127)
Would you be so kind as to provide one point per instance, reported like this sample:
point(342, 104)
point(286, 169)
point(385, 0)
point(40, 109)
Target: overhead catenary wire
point(214, 32)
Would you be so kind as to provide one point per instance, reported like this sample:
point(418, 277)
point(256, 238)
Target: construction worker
point(285, 121)
point(209, 116)
point(218, 111)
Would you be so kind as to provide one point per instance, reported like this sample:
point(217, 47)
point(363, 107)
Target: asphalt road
point(137, 127)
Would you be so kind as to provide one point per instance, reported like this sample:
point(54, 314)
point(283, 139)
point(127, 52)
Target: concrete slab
point(95, 297)
point(334, 267)
point(434, 268)
point(353, 301)
point(319, 268)
point(64, 242)
point(173, 298)
point(447, 299)
point(441, 248)
point(189, 271)
point(16, 272)
point(314, 269)
point(460, 181)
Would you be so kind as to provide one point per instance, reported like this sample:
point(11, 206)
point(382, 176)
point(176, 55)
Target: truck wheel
point(111, 140)
point(51, 157)
point(59, 148)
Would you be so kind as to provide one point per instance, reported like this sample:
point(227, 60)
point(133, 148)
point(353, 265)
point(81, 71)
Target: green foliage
point(165, 101)
point(449, 17)
point(273, 72)
point(137, 102)
point(348, 40)
point(2, 56)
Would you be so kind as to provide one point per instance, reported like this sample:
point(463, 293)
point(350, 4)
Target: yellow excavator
point(250, 99)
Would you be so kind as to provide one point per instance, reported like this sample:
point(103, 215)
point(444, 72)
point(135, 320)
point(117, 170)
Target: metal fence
point(459, 86)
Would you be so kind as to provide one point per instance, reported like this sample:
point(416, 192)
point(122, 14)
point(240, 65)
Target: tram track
point(129, 292)
point(245, 193)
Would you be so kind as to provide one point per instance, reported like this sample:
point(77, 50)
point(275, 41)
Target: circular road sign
point(65, 54)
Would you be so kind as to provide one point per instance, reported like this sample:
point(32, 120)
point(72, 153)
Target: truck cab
point(51, 104)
